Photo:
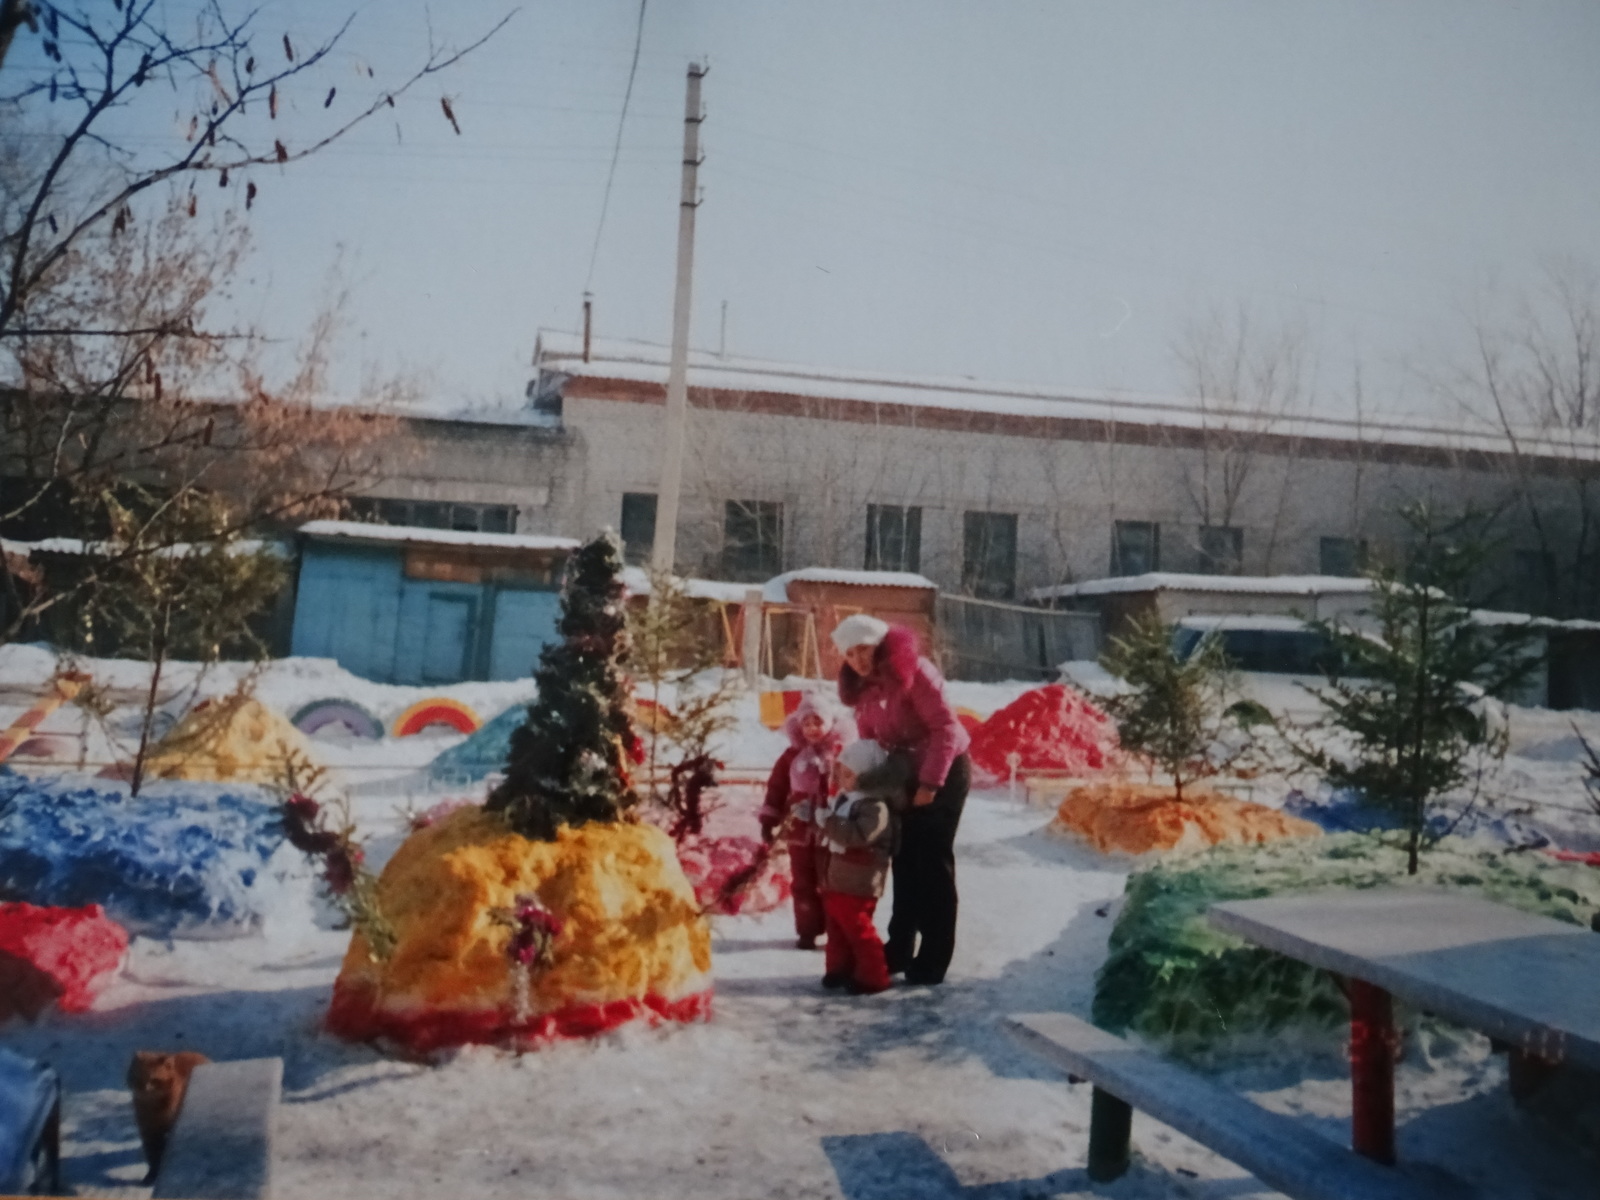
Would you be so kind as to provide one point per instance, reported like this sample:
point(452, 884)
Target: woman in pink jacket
point(898, 698)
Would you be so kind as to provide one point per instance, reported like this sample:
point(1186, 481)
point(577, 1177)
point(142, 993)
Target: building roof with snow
point(776, 590)
point(411, 535)
point(766, 385)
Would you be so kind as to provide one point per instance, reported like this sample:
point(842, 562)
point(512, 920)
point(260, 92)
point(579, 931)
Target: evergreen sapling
point(1412, 702)
point(1175, 713)
point(569, 764)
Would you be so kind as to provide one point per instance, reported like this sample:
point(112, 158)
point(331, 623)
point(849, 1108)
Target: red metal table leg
point(1372, 1044)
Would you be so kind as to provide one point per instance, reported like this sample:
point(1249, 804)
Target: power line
point(616, 150)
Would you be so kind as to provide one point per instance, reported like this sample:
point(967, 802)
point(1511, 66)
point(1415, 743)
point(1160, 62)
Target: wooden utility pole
point(664, 552)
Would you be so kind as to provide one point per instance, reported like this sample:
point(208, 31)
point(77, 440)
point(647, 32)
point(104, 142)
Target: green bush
point(1172, 978)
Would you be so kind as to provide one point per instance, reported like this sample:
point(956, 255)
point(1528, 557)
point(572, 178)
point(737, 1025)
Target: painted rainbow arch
point(436, 710)
point(319, 714)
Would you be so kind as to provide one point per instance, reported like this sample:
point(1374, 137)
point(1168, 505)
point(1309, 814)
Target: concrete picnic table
point(1531, 983)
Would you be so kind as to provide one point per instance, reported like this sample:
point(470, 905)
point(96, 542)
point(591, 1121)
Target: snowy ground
point(788, 1091)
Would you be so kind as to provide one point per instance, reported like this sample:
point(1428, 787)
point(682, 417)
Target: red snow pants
point(804, 868)
point(854, 948)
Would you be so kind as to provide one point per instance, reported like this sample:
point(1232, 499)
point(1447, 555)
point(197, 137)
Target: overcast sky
point(1040, 192)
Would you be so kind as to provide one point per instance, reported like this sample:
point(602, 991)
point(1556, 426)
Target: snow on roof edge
point(1154, 581)
point(776, 590)
point(367, 531)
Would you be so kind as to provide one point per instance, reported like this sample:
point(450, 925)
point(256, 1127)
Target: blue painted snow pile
point(1346, 812)
point(482, 754)
point(199, 860)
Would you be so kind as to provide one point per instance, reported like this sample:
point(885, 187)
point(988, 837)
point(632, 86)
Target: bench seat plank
point(221, 1146)
point(1274, 1148)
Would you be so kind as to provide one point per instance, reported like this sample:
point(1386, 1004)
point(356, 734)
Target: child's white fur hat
point(860, 757)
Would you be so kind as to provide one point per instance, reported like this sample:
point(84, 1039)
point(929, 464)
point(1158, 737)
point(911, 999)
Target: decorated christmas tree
point(569, 762)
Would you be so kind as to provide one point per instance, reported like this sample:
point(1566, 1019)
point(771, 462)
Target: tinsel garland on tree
point(569, 762)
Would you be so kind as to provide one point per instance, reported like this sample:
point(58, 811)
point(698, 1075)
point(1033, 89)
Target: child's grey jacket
point(866, 834)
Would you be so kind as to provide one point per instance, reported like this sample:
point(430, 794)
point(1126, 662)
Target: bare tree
point(112, 370)
point(1536, 378)
point(1246, 384)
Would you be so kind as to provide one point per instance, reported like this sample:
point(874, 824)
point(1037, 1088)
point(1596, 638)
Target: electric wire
point(616, 150)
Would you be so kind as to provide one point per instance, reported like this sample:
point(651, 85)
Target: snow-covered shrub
point(181, 859)
point(1173, 978)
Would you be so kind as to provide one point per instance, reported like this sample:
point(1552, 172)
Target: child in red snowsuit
point(797, 793)
point(861, 833)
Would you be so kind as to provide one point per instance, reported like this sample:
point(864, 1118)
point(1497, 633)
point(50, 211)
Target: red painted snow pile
point(733, 875)
point(60, 955)
point(1052, 728)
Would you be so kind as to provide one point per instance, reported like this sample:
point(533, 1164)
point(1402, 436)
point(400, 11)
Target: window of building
point(1135, 547)
point(638, 526)
point(894, 538)
point(989, 555)
point(432, 514)
point(1221, 549)
point(1343, 556)
point(752, 539)
point(1531, 590)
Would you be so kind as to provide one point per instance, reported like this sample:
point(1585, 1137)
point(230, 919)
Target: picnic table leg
point(1372, 1044)
point(1110, 1125)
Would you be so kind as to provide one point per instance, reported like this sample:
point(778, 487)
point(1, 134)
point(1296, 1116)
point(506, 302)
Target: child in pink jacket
point(797, 795)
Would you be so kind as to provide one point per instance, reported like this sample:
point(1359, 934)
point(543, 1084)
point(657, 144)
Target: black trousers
point(925, 882)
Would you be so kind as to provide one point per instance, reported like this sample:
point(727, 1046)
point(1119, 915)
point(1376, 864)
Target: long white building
point(989, 490)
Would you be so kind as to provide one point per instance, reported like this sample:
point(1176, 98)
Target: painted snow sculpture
point(437, 710)
point(346, 715)
point(1047, 728)
point(56, 955)
point(623, 937)
point(182, 860)
point(1136, 818)
point(231, 740)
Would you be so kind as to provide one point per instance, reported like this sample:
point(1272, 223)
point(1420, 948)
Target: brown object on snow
point(158, 1080)
point(1138, 817)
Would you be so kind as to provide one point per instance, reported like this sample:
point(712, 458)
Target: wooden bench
point(1274, 1148)
point(221, 1145)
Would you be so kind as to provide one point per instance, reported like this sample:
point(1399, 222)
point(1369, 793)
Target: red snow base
point(64, 955)
point(353, 1016)
point(1050, 728)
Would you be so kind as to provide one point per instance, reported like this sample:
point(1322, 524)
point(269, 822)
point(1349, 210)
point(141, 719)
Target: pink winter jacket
point(802, 778)
point(901, 705)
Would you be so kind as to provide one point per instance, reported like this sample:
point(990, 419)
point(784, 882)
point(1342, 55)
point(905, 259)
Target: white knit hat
point(858, 629)
point(863, 756)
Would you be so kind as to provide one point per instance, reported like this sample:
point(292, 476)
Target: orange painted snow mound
point(1048, 728)
point(633, 942)
point(1140, 817)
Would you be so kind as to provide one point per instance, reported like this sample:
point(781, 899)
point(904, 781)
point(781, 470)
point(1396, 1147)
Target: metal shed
point(397, 604)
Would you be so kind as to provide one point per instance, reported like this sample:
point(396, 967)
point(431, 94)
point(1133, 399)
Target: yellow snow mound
point(1137, 818)
point(633, 941)
point(226, 741)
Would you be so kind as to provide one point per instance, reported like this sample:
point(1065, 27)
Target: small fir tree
point(569, 762)
point(1176, 712)
point(1411, 702)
